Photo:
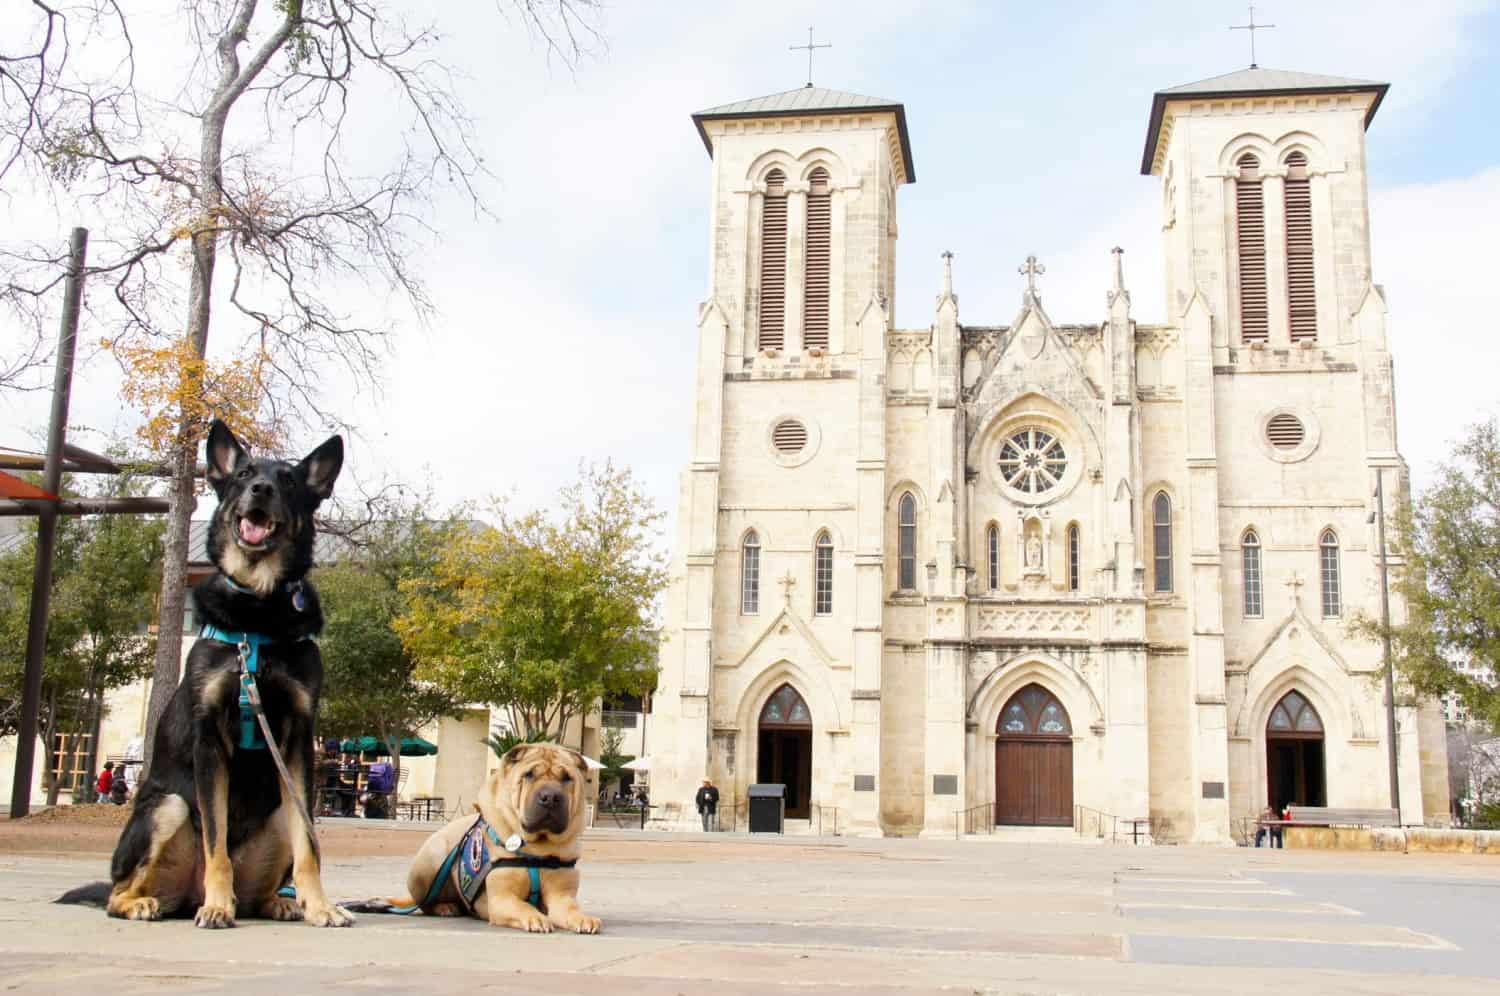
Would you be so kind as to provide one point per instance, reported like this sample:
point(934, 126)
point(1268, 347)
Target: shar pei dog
point(513, 863)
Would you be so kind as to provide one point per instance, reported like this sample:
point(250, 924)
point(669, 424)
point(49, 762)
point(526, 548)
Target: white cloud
point(1434, 253)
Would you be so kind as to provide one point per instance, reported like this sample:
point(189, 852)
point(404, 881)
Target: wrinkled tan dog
point(513, 865)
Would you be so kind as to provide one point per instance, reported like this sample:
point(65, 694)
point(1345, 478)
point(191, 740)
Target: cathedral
point(1041, 569)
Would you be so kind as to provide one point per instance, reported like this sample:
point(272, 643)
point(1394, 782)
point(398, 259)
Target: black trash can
point(768, 808)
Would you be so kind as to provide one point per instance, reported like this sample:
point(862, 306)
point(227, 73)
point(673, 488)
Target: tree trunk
point(231, 84)
point(393, 744)
point(94, 724)
point(173, 587)
point(48, 731)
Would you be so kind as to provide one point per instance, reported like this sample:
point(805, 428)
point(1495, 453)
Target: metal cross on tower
point(1252, 27)
point(810, 47)
point(1031, 270)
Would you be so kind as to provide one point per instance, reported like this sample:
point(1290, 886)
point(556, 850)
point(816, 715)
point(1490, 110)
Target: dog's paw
point(533, 922)
point(281, 908)
point(447, 909)
point(214, 917)
point(581, 923)
point(144, 908)
point(328, 916)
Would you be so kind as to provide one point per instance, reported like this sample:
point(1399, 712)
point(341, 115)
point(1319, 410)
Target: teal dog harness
point(249, 645)
point(470, 863)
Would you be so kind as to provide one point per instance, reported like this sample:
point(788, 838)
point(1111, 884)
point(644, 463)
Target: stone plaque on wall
point(864, 783)
point(945, 785)
point(1213, 790)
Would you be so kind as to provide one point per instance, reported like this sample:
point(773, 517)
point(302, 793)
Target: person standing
point(708, 804)
point(106, 779)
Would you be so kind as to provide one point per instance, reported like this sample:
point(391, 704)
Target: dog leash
point(247, 646)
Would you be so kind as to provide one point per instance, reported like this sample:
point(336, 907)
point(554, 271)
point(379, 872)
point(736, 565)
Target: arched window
point(750, 574)
point(992, 555)
point(1250, 225)
point(823, 574)
point(1161, 542)
point(773, 263)
point(1075, 557)
point(1301, 292)
point(1250, 572)
point(819, 252)
point(1328, 572)
point(907, 544)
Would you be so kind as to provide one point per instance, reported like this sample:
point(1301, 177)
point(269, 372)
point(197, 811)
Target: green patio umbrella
point(410, 747)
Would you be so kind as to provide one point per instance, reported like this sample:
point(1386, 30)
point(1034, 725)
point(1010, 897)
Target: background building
point(1035, 564)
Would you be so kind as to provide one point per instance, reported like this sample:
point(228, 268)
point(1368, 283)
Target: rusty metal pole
point(46, 530)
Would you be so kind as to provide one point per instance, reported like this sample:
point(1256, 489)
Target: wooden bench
point(1324, 816)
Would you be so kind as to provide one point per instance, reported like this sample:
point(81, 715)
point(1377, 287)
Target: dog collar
point(294, 588)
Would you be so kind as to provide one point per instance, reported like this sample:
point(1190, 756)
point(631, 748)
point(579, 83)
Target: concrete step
point(1035, 835)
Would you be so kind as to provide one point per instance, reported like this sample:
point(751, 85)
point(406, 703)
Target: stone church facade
point(1038, 566)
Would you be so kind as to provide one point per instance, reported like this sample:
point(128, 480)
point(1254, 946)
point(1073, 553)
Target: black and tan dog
point(215, 831)
point(515, 864)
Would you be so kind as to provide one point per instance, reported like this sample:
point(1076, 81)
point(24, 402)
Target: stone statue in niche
point(1033, 553)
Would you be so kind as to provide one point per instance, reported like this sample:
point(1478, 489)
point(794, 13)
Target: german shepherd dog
point(215, 832)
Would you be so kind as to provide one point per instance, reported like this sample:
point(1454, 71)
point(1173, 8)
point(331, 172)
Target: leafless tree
point(210, 165)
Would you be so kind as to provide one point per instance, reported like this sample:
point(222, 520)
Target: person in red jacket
point(106, 779)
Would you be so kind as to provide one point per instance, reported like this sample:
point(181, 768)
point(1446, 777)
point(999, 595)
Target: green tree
point(370, 684)
point(543, 616)
point(104, 583)
point(1450, 538)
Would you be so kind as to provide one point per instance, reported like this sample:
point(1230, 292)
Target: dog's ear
point(515, 755)
point(579, 763)
point(223, 454)
point(321, 467)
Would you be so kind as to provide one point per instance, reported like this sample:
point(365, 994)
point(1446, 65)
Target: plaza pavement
point(687, 913)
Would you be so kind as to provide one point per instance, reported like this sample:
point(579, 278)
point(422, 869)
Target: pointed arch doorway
point(1034, 761)
point(784, 742)
point(1295, 774)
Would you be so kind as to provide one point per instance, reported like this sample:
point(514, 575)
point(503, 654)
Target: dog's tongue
point(253, 533)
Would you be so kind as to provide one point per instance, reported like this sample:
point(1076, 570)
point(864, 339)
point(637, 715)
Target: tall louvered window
point(907, 544)
point(823, 574)
point(815, 300)
point(1075, 558)
point(1250, 570)
point(992, 544)
point(1251, 225)
point(1328, 571)
point(1302, 303)
point(750, 574)
point(1161, 542)
point(773, 263)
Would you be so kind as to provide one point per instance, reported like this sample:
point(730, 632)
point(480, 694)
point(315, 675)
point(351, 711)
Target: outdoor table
point(430, 806)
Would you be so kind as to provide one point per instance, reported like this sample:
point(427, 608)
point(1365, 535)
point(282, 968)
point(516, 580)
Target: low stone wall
point(1414, 839)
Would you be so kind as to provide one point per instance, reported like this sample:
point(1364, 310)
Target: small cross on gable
point(1031, 269)
point(1295, 583)
point(787, 584)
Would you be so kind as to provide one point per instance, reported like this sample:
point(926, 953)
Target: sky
point(566, 323)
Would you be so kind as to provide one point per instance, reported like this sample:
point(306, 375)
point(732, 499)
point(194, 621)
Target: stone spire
point(946, 295)
point(1117, 285)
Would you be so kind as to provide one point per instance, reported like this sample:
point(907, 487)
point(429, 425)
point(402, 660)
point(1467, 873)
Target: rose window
point(1033, 461)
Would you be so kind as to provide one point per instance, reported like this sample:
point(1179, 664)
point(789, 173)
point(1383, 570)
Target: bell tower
point(786, 481)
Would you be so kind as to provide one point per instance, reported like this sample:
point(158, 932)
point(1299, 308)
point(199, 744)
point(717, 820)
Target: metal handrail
point(965, 820)
point(1088, 821)
point(834, 831)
